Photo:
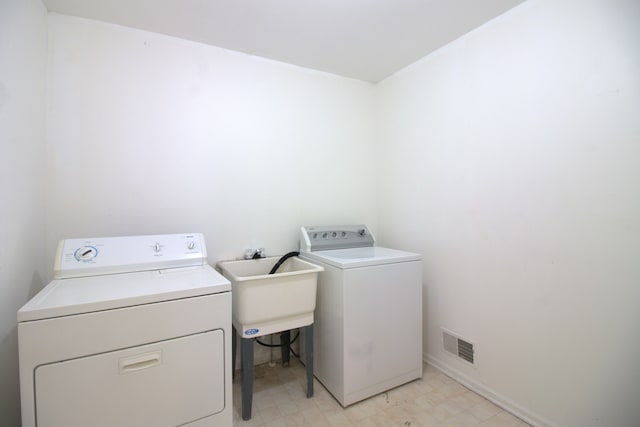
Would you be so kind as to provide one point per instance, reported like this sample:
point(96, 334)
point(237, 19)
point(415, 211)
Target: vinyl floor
point(279, 400)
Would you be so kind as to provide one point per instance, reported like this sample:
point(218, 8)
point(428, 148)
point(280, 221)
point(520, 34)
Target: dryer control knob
point(156, 247)
point(85, 253)
point(361, 232)
point(191, 245)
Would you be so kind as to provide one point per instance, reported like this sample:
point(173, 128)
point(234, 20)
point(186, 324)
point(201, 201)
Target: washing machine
point(368, 318)
point(132, 331)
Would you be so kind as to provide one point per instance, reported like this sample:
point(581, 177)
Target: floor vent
point(458, 347)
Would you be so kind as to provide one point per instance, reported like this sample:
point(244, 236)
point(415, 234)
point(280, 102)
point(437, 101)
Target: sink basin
point(266, 303)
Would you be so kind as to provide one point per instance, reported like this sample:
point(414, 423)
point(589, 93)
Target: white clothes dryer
point(132, 331)
point(368, 318)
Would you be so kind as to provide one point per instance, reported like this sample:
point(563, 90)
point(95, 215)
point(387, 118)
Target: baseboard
point(503, 402)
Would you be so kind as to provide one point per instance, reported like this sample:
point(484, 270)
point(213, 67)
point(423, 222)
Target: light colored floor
point(279, 400)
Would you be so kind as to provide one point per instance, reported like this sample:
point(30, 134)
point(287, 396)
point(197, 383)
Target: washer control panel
point(108, 255)
point(320, 238)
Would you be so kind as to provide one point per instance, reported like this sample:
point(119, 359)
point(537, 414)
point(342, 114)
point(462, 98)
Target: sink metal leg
point(234, 345)
point(247, 377)
point(308, 357)
point(246, 359)
point(285, 342)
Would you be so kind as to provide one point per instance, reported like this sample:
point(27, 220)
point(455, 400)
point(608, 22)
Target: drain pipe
point(272, 362)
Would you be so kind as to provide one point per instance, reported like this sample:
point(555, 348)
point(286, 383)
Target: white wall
point(23, 43)
point(511, 160)
point(153, 134)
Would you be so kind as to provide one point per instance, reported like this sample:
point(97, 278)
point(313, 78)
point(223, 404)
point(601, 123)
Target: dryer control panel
point(321, 238)
point(108, 255)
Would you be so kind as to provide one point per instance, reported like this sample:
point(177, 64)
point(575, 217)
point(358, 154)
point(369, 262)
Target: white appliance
point(132, 331)
point(368, 319)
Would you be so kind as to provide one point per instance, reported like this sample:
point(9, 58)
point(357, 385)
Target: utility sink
point(267, 303)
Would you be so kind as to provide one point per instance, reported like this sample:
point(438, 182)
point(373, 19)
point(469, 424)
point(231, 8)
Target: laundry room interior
point(508, 157)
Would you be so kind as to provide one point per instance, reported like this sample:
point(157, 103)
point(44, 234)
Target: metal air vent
point(458, 347)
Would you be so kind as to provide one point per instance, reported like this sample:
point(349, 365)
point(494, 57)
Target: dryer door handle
point(139, 362)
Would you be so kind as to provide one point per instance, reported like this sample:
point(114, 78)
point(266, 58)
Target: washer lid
point(361, 257)
point(63, 297)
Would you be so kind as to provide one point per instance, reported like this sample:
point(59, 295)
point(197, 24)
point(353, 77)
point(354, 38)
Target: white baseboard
point(503, 402)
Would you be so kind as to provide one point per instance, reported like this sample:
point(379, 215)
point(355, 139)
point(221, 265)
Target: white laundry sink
point(266, 303)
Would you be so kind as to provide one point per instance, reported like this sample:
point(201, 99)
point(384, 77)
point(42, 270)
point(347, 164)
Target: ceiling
point(362, 39)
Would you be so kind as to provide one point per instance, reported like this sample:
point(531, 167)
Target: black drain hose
point(275, 268)
point(264, 344)
point(283, 259)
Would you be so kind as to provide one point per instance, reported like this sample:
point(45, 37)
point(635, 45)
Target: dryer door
point(163, 384)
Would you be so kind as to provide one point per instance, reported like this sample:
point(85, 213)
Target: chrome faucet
point(254, 254)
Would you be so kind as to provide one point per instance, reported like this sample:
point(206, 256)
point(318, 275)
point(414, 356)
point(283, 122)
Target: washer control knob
point(324, 235)
point(191, 245)
point(361, 232)
point(334, 234)
point(156, 247)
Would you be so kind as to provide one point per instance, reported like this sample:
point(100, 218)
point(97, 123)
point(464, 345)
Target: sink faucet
point(254, 254)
